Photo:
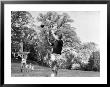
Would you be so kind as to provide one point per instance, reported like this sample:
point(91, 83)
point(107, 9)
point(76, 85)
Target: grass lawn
point(40, 71)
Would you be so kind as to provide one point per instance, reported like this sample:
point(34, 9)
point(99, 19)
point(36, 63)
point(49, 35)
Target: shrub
point(69, 54)
point(75, 66)
point(93, 63)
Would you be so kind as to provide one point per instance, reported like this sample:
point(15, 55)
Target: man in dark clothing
point(56, 52)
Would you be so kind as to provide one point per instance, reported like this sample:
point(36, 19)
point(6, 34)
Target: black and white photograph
point(47, 44)
point(55, 43)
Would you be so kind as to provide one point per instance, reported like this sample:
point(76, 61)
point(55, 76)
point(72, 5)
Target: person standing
point(56, 52)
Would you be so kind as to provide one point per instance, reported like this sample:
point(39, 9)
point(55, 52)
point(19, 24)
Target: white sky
point(86, 23)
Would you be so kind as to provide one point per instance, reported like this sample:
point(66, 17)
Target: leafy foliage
point(23, 29)
point(60, 23)
point(94, 61)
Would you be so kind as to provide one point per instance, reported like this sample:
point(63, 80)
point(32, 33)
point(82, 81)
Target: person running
point(56, 51)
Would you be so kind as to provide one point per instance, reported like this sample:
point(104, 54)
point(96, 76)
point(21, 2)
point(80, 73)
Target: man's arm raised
point(56, 37)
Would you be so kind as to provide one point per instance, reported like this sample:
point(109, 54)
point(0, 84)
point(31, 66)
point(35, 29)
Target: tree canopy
point(24, 29)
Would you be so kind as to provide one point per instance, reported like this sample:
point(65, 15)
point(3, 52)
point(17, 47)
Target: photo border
point(40, 2)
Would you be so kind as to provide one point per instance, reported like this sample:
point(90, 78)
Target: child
point(23, 63)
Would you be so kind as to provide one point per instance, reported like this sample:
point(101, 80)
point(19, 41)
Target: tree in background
point(86, 51)
point(87, 54)
point(61, 24)
point(18, 21)
point(94, 61)
point(22, 30)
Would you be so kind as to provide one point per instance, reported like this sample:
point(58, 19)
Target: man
point(56, 51)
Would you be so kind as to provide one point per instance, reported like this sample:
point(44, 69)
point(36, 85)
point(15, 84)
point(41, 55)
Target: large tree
point(22, 29)
point(61, 24)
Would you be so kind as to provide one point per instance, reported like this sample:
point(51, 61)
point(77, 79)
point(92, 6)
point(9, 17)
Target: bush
point(94, 62)
point(70, 54)
point(75, 66)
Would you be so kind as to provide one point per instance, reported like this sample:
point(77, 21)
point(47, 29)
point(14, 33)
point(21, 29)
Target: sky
point(87, 24)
